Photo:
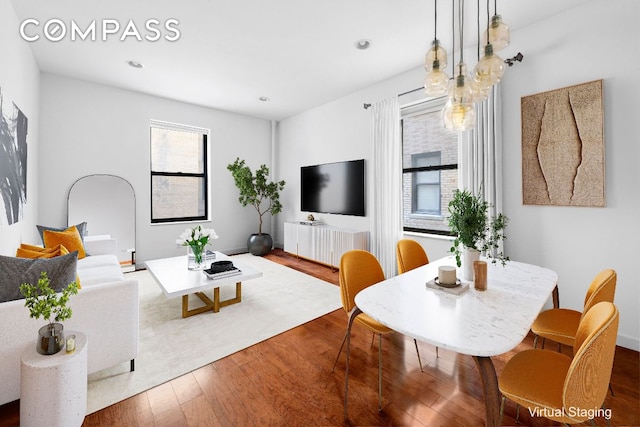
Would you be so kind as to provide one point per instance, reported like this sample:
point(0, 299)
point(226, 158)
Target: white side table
point(53, 389)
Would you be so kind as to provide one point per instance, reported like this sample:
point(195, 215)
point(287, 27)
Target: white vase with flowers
point(196, 239)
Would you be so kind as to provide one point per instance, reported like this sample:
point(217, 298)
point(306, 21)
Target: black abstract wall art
point(13, 162)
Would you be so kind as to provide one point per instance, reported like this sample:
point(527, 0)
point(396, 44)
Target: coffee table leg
point(216, 300)
point(210, 305)
point(218, 303)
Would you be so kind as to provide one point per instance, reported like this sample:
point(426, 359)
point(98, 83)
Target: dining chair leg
point(437, 355)
point(340, 352)
point(535, 341)
point(611, 390)
point(354, 313)
point(418, 353)
point(502, 408)
point(379, 372)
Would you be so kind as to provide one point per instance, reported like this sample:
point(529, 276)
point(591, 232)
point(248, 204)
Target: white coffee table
point(176, 280)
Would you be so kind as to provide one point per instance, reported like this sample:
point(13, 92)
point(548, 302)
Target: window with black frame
point(179, 183)
point(429, 168)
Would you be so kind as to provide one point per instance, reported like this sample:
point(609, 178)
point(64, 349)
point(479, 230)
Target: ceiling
point(298, 53)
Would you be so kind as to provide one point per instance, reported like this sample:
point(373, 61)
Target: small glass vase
point(195, 259)
point(50, 339)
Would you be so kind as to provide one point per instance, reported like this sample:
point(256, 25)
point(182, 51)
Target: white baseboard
point(628, 342)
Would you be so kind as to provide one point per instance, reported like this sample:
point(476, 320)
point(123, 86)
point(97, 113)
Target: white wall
point(591, 42)
point(93, 129)
point(20, 83)
point(595, 41)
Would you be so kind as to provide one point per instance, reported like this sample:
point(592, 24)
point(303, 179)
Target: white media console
point(322, 243)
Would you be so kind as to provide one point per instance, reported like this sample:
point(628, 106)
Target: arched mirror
point(107, 204)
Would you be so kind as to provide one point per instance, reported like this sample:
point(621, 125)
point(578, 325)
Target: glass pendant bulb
point(489, 69)
point(459, 113)
point(478, 93)
point(436, 53)
point(459, 116)
point(436, 82)
point(499, 34)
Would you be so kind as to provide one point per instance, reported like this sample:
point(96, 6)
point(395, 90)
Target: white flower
point(196, 236)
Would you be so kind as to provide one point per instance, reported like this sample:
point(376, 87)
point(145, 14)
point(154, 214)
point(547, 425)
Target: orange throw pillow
point(33, 252)
point(69, 238)
point(34, 247)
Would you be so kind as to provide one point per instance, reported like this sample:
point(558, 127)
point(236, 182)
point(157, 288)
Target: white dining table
point(477, 323)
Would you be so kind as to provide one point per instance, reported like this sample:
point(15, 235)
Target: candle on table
point(447, 275)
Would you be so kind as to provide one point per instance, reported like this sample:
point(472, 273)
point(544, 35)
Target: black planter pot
point(260, 244)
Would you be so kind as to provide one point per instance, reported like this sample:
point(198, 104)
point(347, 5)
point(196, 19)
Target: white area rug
point(171, 346)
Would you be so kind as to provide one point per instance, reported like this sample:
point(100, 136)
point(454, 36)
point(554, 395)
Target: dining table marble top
point(477, 323)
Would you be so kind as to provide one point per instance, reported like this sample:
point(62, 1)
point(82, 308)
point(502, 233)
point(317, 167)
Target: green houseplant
point(260, 193)
point(43, 301)
point(475, 231)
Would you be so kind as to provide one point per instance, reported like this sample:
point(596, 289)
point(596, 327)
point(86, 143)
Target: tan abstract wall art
point(563, 147)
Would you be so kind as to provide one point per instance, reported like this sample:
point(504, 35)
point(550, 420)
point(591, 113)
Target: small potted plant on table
point(42, 300)
point(475, 231)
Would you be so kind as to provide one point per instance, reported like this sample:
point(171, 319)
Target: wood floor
point(287, 381)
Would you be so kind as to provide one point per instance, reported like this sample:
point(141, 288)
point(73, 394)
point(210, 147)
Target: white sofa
point(105, 310)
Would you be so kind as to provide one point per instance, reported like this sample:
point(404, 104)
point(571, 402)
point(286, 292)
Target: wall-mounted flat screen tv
point(336, 188)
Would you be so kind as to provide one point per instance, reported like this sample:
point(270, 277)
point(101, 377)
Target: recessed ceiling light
point(362, 44)
point(263, 99)
point(135, 64)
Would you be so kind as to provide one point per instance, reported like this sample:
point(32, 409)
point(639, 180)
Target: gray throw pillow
point(82, 227)
point(61, 271)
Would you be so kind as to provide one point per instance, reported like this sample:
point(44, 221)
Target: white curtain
point(480, 153)
point(386, 183)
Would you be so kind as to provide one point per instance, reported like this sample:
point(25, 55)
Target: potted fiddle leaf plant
point(475, 232)
point(263, 195)
point(43, 301)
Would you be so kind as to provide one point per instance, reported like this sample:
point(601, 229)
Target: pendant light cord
point(453, 39)
point(488, 26)
point(461, 28)
point(435, 21)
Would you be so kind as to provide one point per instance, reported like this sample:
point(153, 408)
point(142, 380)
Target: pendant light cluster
point(464, 89)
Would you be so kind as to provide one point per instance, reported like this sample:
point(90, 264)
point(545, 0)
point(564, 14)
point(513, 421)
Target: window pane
point(428, 199)
point(177, 197)
point(425, 133)
point(176, 151)
point(426, 194)
point(426, 159)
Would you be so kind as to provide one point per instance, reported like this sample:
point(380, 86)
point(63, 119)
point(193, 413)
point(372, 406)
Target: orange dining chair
point(560, 324)
point(558, 387)
point(359, 269)
point(410, 255)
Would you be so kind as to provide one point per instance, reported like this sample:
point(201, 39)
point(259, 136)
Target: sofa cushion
point(69, 238)
point(98, 269)
point(100, 275)
point(94, 261)
point(61, 271)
